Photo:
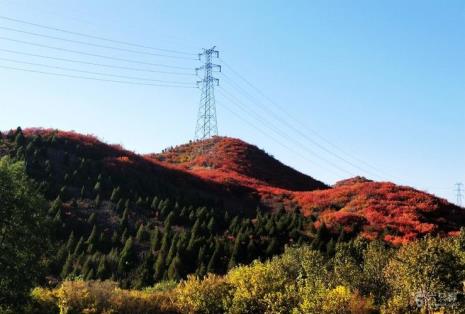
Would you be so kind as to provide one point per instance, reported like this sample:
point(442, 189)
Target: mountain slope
point(384, 210)
point(115, 214)
point(224, 160)
point(397, 214)
point(231, 174)
point(138, 173)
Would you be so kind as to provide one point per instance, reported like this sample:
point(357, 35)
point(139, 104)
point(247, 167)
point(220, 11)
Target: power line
point(293, 128)
point(278, 132)
point(93, 55)
point(297, 130)
point(94, 45)
point(289, 148)
point(92, 78)
point(96, 64)
point(96, 73)
point(83, 17)
point(257, 90)
point(459, 193)
point(95, 37)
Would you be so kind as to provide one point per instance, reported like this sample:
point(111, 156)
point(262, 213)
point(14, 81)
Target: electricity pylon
point(206, 118)
point(459, 193)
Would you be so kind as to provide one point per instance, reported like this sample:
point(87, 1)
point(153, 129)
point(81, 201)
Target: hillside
point(396, 214)
point(136, 173)
point(226, 160)
point(201, 207)
point(118, 215)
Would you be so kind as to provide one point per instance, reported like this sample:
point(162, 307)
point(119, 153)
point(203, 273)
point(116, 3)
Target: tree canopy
point(23, 232)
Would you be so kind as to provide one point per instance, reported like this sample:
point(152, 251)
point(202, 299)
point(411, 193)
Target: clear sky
point(383, 82)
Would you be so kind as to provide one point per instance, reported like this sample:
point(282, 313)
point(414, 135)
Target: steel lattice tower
point(206, 118)
point(459, 193)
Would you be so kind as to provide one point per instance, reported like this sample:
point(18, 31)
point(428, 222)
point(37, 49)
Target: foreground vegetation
point(360, 277)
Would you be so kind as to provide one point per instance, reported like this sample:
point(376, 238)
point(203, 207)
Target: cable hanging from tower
point(111, 66)
point(95, 37)
point(268, 110)
point(92, 78)
point(95, 45)
point(93, 54)
point(276, 130)
point(96, 73)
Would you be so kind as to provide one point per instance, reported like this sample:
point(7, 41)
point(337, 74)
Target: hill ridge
point(238, 160)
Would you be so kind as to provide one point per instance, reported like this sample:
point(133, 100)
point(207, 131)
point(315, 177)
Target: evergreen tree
point(212, 225)
point(102, 270)
point(56, 205)
point(91, 220)
point(97, 187)
point(140, 202)
point(115, 194)
point(155, 239)
point(90, 274)
point(115, 237)
point(70, 244)
point(93, 237)
point(211, 267)
point(173, 249)
point(124, 219)
point(251, 250)
point(97, 201)
point(86, 267)
point(120, 205)
point(128, 257)
point(144, 277)
point(201, 271)
point(124, 236)
point(79, 247)
point(67, 267)
point(272, 247)
point(175, 269)
point(83, 192)
point(159, 267)
point(154, 204)
point(169, 221)
point(141, 234)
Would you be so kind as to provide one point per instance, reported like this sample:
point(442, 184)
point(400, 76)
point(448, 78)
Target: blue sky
point(381, 81)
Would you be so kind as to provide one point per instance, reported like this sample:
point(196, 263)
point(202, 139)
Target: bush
point(44, 301)
point(428, 266)
point(260, 287)
point(73, 297)
point(210, 295)
point(316, 297)
point(341, 300)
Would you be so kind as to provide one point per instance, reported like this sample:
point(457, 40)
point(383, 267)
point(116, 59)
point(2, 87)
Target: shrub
point(328, 301)
point(210, 295)
point(73, 297)
point(44, 301)
point(261, 287)
point(427, 266)
point(84, 296)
